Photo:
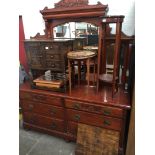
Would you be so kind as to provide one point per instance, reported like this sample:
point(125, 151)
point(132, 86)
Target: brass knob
point(27, 96)
point(39, 97)
point(31, 106)
point(52, 56)
point(53, 111)
point(77, 117)
point(32, 121)
point(76, 106)
point(39, 56)
point(106, 122)
point(53, 65)
point(106, 112)
point(53, 125)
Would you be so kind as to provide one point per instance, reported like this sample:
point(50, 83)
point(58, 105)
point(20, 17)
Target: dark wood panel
point(43, 109)
point(94, 119)
point(103, 110)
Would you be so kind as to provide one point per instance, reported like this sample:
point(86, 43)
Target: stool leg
point(79, 72)
point(69, 71)
point(88, 71)
point(72, 74)
point(94, 70)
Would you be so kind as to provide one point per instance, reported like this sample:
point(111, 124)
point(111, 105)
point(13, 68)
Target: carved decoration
point(70, 3)
point(45, 8)
point(38, 36)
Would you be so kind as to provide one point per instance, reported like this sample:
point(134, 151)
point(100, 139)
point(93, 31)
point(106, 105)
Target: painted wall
point(33, 22)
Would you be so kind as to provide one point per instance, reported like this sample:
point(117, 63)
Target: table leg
point(79, 72)
point(69, 72)
point(88, 70)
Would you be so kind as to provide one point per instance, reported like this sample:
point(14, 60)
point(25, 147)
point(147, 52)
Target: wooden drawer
point(54, 56)
point(72, 128)
point(103, 110)
point(94, 119)
point(31, 43)
point(55, 65)
point(50, 46)
point(43, 109)
point(41, 98)
point(45, 122)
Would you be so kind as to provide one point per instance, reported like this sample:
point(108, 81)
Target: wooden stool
point(93, 62)
point(79, 56)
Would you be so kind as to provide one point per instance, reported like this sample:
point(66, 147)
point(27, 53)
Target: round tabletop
point(90, 47)
point(82, 54)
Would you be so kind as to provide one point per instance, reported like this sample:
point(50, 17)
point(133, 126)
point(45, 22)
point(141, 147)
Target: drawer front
point(54, 56)
point(103, 110)
point(41, 98)
point(49, 46)
point(43, 109)
point(94, 119)
point(72, 128)
point(55, 65)
point(53, 124)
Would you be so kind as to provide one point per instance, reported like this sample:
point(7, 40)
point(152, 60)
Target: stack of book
point(42, 82)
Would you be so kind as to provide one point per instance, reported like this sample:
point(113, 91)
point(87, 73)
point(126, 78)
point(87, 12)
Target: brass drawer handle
point(76, 106)
point(33, 121)
point(106, 122)
point(106, 112)
point(39, 56)
point(53, 65)
point(77, 117)
point(53, 125)
point(38, 97)
point(52, 56)
point(27, 96)
point(31, 106)
point(53, 111)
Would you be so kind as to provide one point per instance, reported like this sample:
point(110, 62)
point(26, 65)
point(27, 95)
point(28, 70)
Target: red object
point(22, 55)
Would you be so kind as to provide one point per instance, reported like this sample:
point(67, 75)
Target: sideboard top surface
point(84, 93)
point(48, 40)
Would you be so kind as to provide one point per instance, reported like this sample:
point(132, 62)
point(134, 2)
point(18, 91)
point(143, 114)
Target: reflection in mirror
point(78, 30)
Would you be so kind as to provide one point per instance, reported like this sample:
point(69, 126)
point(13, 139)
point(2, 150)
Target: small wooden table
point(80, 56)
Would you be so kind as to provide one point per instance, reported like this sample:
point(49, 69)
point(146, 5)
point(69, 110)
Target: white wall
point(33, 22)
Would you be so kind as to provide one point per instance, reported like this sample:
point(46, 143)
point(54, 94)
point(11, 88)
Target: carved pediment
point(71, 3)
point(66, 9)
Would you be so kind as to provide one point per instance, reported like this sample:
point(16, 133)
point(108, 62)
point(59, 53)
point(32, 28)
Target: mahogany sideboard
point(58, 113)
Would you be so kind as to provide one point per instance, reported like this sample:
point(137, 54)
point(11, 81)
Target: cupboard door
point(34, 55)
